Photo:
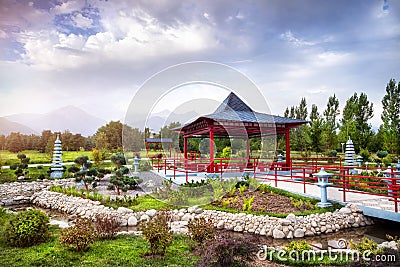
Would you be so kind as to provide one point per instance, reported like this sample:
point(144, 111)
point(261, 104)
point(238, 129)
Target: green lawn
point(125, 250)
point(9, 158)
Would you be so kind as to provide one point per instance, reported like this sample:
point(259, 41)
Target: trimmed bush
point(106, 227)
point(79, 236)
point(27, 228)
point(227, 250)
point(158, 233)
point(201, 230)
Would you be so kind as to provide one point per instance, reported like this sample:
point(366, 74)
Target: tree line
point(107, 138)
point(327, 131)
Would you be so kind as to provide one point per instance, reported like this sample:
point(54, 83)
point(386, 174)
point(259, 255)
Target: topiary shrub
point(79, 236)
point(158, 233)
point(382, 153)
point(27, 228)
point(201, 230)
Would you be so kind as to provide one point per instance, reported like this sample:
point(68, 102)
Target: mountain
point(67, 118)
point(158, 120)
point(7, 127)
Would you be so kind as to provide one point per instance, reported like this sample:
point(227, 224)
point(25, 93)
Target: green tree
point(98, 157)
point(391, 117)
point(316, 129)
point(118, 159)
point(356, 113)
point(331, 113)
point(113, 135)
point(299, 135)
point(14, 142)
point(44, 139)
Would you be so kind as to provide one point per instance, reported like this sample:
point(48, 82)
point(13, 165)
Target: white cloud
point(332, 58)
point(68, 7)
point(289, 37)
point(82, 22)
point(3, 34)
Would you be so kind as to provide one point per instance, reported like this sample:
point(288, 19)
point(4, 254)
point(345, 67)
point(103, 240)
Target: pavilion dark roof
point(235, 110)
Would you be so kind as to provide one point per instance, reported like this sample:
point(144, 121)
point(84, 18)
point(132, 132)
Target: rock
point(323, 229)
point(309, 233)
point(151, 213)
point(192, 209)
point(289, 235)
point(238, 228)
point(132, 221)
point(122, 210)
point(220, 224)
point(354, 208)
point(314, 224)
point(124, 222)
point(144, 217)
point(299, 233)
point(187, 217)
point(181, 214)
point(263, 232)
point(21, 178)
point(345, 210)
point(278, 234)
point(291, 217)
point(285, 222)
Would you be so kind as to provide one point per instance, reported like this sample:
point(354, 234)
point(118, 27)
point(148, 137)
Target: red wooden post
point(287, 137)
point(165, 166)
point(212, 149)
point(304, 180)
point(185, 146)
point(174, 169)
point(276, 177)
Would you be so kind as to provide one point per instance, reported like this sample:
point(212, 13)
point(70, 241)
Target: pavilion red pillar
point(287, 138)
point(212, 149)
point(185, 146)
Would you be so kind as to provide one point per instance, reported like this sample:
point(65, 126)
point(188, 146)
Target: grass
point(125, 250)
point(9, 158)
point(147, 202)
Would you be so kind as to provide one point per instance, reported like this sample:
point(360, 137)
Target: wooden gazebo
point(233, 118)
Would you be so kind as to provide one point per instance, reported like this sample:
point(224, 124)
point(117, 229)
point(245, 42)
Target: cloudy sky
point(95, 54)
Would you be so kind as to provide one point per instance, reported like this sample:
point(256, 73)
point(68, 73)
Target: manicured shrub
point(27, 228)
point(366, 245)
point(382, 153)
point(201, 230)
point(79, 236)
point(297, 246)
point(106, 226)
point(158, 233)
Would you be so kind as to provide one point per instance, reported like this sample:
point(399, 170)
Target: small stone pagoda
point(349, 156)
point(57, 169)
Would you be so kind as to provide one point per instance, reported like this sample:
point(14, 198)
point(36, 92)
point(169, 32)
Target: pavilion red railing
point(344, 177)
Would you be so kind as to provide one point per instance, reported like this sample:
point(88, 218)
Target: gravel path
point(151, 180)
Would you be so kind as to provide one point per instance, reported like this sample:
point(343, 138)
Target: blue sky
point(95, 54)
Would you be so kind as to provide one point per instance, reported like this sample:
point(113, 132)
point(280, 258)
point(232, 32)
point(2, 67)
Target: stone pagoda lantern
point(57, 169)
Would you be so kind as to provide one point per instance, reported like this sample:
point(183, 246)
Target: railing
point(345, 178)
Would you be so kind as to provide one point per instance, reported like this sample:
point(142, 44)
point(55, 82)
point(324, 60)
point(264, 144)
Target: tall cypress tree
point(391, 117)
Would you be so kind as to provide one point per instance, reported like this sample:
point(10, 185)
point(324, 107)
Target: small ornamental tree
point(21, 169)
point(118, 179)
point(118, 159)
point(85, 174)
point(122, 181)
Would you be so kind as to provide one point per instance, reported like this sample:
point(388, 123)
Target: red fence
point(385, 183)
